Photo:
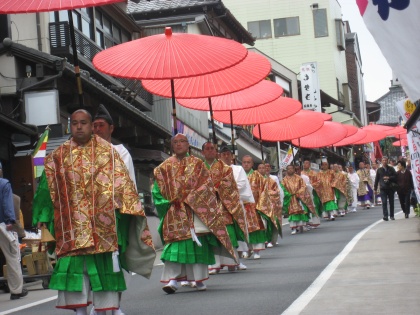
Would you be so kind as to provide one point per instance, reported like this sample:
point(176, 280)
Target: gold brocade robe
point(86, 185)
point(325, 189)
point(270, 200)
point(313, 177)
point(187, 185)
point(225, 185)
point(364, 176)
point(296, 187)
point(256, 181)
point(341, 183)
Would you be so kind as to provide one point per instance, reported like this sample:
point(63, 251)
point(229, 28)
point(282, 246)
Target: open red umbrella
point(170, 56)
point(351, 130)
point(371, 136)
point(14, 7)
point(298, 125)
point(248, 72)
point(280, 108)
point(359, 135)
point(328, 134)
point(400, 143)
point(396, 131)
point(374, 127)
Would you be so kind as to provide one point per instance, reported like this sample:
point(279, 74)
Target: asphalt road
point(269, 285)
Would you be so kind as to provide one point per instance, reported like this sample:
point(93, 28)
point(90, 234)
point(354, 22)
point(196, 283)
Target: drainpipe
point(38, 30)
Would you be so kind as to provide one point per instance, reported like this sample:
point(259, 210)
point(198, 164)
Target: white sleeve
point(128, 161)
point(242, 182)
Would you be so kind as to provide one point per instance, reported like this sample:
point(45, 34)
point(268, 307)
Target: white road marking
point(303, 300)
point(28, 305)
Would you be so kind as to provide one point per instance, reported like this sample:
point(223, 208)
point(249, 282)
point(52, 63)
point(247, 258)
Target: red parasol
point(373, 127)
point(400, 143)
point(396, 131)
point(280, 108)
point(328, 134)
point(251, 70)
point(14, 7)
point(371, 136)
point(301, 124)
point(351, 130)
point(359, 135)
point(170, 56)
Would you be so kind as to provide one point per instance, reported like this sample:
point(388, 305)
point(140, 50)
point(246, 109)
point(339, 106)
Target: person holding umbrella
point(228, 196)
point(297, 200)
point(257, 238)
point(191, 218)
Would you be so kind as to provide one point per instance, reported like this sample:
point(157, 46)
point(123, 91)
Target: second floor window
point(108, 33)
point(286, 26)
point(320, 22)
point(260, 29)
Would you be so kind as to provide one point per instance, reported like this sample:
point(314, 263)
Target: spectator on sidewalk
point(405, 187)
point(9, 243)
point(386, 175)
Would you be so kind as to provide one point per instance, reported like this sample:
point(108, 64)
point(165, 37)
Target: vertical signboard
point(311, 95)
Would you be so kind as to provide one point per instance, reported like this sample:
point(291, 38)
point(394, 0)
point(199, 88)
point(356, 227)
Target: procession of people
point(213, 213)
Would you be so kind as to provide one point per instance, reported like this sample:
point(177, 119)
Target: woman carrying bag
point(405, 187)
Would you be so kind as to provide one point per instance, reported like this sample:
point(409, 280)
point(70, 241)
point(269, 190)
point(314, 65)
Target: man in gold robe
point(341, 189)
point(192, 221)
point(228, 195)
point(365, 191)
point(297, 201)
point(257, 238)
point(272, 211)
point(95, 202)
point(325, 191)
point(315, 183)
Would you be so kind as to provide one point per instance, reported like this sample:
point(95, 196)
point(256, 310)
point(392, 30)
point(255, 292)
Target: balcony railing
point(61, 46)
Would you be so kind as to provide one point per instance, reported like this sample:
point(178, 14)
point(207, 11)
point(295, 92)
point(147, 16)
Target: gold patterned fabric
point(365, 179)
point(256, 181)
point(341, 183)
point(187, 185)
point(270, 200)
point(87, 183)
point(313, 177)
point(296, 187)
point(325, 188)
point(225, 185)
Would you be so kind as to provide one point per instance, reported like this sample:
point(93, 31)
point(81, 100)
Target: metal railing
point(60, 46)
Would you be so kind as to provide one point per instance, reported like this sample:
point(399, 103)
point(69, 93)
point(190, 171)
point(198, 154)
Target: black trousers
point(385, 195)
point(404, 198)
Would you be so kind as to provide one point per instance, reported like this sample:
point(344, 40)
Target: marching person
point(384, 177)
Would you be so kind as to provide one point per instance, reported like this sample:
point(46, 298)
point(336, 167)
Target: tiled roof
point(162, 5)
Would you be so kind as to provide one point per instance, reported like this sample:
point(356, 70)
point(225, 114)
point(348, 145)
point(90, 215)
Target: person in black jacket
point(384, 177)
point(405, 187)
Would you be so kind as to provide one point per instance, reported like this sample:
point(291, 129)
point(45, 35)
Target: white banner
point(406, 108)
point(288, 158)
point(311, 95)
point(394, 26)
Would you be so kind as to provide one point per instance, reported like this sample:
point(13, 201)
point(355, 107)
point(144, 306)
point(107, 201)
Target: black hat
point(224, 149)
point(102, 113)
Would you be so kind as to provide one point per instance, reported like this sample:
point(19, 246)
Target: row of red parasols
point(215, 74)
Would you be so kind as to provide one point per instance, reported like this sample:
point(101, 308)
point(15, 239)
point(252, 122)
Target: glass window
point(107, 25)
point(125, 37)
point(320, 22)
point(260, 29)
point(108, 42)
point(63, 16)
point(99, 38)
point(86, 28)
point(116, 32)
point(98, 18)
point(286, 26)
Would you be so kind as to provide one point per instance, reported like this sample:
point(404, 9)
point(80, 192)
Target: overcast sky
point(377, 73)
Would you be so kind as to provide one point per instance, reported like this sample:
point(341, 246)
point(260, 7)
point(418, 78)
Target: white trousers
point(11, 252)
point(184, 272)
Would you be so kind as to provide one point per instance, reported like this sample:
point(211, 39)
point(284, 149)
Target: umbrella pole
point(212, 122)
point(300, 156)
point(75, 59)
point(261, 146)
point(232, 135)
point(174, 107)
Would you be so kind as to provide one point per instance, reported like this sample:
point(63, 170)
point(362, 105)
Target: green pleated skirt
point(68, 273)
point(330, 206)
point(188, 252)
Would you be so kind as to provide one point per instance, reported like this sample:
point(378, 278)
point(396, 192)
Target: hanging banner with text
point(311, 95)
point(288, 158)
point(406, 108)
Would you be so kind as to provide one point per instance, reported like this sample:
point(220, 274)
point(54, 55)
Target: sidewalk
point(380, 275)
